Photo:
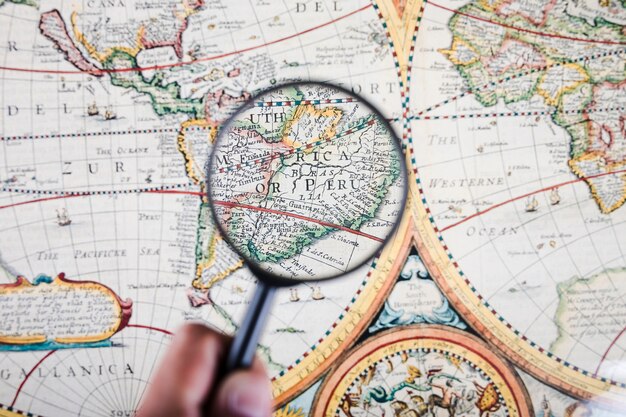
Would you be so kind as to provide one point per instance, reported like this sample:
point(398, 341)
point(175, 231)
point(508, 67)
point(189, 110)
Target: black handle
point(245, 342)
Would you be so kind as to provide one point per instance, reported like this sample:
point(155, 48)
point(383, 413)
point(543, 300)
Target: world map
point(109, 115)
point(511, 115)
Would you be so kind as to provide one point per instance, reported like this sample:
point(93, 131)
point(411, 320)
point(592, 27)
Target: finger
point(186, 375)
point(244, 393)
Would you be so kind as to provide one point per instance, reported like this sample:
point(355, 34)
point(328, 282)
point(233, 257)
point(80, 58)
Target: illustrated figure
point(555, 198)
point(412, 374)
point(531, 205)
point(369, 374)
point(488, 399)
point(401, 409)
point(109, 114)
point(419, 405)
point(466, 403)
point(447, 400)
point(347, 402)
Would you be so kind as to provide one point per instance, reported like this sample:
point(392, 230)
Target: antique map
point(519, 148)
point(511, 114)
point(307, 182)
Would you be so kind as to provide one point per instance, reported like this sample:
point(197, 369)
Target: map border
point(432, 333)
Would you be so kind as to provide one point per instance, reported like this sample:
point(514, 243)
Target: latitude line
point(296, 216)
point(530, 31)
point(522, 196)
point(183, 64)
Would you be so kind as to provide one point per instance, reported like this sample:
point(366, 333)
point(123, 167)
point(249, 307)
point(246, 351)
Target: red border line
point(181, 64)
point(297, 216)
point(562, 184)
point(19, 389)
point(34, 368)
point(606, 353)
point(158, 329)
point(221, 203)
point(39, 200)
point(532, 32)
point(97, 193)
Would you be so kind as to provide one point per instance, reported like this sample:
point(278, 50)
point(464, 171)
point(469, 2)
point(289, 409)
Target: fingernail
point(246, 403)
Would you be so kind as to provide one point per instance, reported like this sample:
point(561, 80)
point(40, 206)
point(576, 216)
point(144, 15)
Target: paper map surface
point(511, 114)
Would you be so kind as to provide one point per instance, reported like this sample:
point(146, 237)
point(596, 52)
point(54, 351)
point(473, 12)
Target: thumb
point(244, 394)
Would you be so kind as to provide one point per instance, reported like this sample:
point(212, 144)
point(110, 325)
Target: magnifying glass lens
point(307, 181)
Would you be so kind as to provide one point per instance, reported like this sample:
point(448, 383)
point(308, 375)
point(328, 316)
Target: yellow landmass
point(565, 88)
point(209, 262)
point(598, 158)
point(22, 340)
point(452, 52)
point(303, 110)
point(194, 171)
point(491, 7)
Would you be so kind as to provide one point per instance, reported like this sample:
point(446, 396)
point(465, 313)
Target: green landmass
point(204, 233)
point(165, 98)
point(32, 3)
point(292, 330)
point(589, 309)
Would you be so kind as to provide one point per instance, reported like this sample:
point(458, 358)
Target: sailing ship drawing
point(63, 218)
point(531, 205)
point(109, 114)
point(93, 110)
point(317, 294)
point(555, 198)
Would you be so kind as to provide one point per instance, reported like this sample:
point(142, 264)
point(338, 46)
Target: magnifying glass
point(306, 182)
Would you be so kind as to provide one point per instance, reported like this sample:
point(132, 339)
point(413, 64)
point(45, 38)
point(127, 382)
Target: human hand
point(186, 383)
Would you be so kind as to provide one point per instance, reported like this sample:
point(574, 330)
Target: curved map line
point(50, 353)
point(199, 193)
point(519, 197)
point(71, 194)
point(519, 29)
point(182, 64)
point(297, 216)
point(19, 389)
point(606, 353)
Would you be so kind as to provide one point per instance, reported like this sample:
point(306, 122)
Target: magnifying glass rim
point(259, 272)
